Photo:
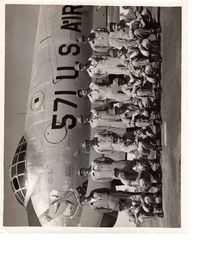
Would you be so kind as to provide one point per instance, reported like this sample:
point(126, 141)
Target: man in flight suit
point(104, 201)
point(105, 169)
point(102, 93)
point(108, 142)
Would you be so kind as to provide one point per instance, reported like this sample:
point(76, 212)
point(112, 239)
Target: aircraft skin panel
point(52, 132)
point(51, 129)
point(52, 32)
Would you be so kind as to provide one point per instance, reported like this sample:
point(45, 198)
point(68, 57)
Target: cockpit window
point(15, 183)
point(15, 159)
point(23, 147)
point(22, 156)
point(13, 170)
point(22, 180)
point(24, 192)
point(18, 172)
point(21, 167)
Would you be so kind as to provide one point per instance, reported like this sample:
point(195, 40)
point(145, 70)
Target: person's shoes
point(158, 121)
point(160, 60)
point(158, 90)
point(158, 30)
point(157, 176)
point(157, 194)
point(159, 148)
point(159, 185)
point(161, 214)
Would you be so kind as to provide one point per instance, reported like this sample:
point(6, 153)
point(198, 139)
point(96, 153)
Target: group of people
point(125, 93)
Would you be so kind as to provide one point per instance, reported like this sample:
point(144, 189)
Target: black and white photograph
point(92, 129)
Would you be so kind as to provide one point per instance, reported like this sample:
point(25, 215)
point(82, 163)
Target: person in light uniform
point(106, 92)
point(144, 208)
point(108, 142)
point(137, 88)
point(101, 40)
point(105, 169)
point(119, 115)
point(102, 66)
point(138, 65)
point(104, 201)
point(123, 123)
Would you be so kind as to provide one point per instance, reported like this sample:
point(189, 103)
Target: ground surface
point(170, 19)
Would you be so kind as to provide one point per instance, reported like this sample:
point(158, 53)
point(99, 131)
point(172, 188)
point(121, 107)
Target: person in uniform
point(102, 66)
point(104, 201)
point(140, 213)
point(145, 206)
point(101, 40)
point(123, 123)
point(96, 122)
point(130, 31)
point(142, 16)
point(140, 118)
point(151, 166)
point(136, 88)
point(105, 169)
point(139, 66)
point(119, 115)
point(98, 39)
point(102, 93)
point(108, 142)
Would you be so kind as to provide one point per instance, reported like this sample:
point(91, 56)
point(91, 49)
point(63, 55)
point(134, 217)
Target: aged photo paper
point(93, 117)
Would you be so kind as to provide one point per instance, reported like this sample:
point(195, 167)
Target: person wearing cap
point(101, 40)
point(123, 123)
point(105, 169)
point(110, 111)
point(127, 13)
point(130, 54)
point(101, 93)
point(130, 31)
point(137, 88)
point(98, 39)
point(137, 58)
point(138, 215)
point(133, 121)
point(104, 200)
point(96, 122)
point(109, 142)
point(102, 66)
point(139, 65)
point(146, 114)
point(131, 178)
point(145, 207)
point(114, 111)
point(118, 115)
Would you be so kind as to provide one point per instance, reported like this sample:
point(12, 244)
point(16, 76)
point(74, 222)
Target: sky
point(21, 24)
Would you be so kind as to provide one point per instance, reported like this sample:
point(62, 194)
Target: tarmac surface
point(170, 19)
